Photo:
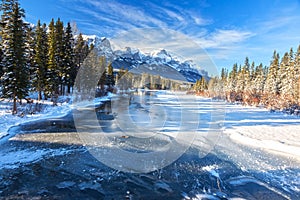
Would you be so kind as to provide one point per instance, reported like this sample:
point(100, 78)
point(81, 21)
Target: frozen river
point(160, 145)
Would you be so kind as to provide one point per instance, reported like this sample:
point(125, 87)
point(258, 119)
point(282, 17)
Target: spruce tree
point(285, 74)
point(30, 52)
point(259, 79)
point(296, 87)
point(247, 77)
point(69, 59)
point(60, 55)
point(81, 52)
point(52, 72)
point(40, 59)
point(272, 82)
point(240, 84)
point(6, 9)
point(232, 78)
point(110, 76)
point(15, 81)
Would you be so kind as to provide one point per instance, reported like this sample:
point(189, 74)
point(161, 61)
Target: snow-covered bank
point(8, 120)
point(256, 127)
point(47, 111)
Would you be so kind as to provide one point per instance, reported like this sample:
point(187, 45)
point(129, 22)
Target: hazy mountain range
point(158, 62)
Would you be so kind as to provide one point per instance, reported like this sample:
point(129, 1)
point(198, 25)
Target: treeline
point(43, 58)
point(154, 82)
point(276, 87)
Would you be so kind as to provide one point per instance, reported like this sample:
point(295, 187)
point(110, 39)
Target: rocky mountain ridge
point(158, 62)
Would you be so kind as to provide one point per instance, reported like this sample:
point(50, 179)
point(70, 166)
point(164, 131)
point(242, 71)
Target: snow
point(276, 133)
point(255, 127)
point(212, 170)
point(8, 120)
point(85, 104)
point(12, 160)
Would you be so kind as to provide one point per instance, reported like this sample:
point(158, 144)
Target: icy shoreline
point(7, 120)
point(277, 133)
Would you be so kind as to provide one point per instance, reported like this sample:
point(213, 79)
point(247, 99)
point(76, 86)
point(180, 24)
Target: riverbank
point(30, 112)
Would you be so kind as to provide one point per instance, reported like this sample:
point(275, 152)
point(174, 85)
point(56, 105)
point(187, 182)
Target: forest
point(37, 58)
point(276, 87)
point(46, 59)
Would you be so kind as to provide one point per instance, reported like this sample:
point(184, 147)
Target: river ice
point(263, 145)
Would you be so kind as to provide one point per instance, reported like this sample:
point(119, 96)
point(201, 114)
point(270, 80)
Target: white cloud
point(223, 39)
point(129, 16)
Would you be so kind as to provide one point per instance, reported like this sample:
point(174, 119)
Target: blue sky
point(228, 30)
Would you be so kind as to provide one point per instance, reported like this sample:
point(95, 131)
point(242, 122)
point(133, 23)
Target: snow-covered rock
point(130, 59)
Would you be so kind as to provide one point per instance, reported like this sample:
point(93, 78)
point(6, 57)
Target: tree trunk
point(69, 89)
point(14, 111)
point(40, 95)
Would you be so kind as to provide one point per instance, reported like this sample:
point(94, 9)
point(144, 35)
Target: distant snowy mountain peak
point(90, 38)
point(130, 58)
point(162, 54)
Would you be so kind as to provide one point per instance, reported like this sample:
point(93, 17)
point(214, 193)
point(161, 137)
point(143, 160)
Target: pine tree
point(203, 84)
point(259, 79)
point(247, 77)
point(272, 82)
point(51, 74)
point(60, 54)
point(15, 81)
point(286, 74)
point(296, 87)
point(110, 76)
point(232, 78)
point(102, 80)
point(6, 9)
point(90, 70)
point(69, 60)
point(240, 83)
point(40, 59)
point(30, 45)
point(81, 52)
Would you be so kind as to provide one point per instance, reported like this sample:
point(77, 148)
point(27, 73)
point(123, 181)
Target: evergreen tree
point(102, 80)
point(30, 45)
point(296, 87)
point(69, 60)
point(51, 74)
point(60, 55)
point(81, 52)
point(259, 79)
point(285, 74)
point(203, 84)
point(92, 67)
point(272, 82)
point(232, 79)
point(40, 59)
point(240, 83)
point(110, 76)
point(6, 9)
point(247, 89)
point(145, 81)
point(15, 81)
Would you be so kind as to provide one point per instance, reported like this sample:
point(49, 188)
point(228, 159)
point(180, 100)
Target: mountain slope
point(159, 62)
